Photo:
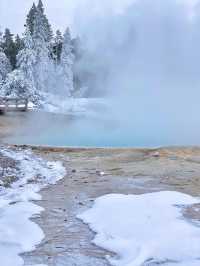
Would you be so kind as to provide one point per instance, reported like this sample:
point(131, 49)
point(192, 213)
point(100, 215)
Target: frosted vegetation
point(39, 65)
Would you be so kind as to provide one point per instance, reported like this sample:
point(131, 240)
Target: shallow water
point(83, 130)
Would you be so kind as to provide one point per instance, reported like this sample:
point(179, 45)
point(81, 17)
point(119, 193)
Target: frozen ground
point(69, 242)
point(131, 179)
point(18, 233)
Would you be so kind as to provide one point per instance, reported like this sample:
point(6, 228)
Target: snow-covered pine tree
point(57, 46)
point(46, 24)
point(16, 85)
point(26, 62)
point(8, 46)
point(1, 39)
point(5, 66)
point(40, 6)
point(67, 62)
point(43, 63)
point(19, 44)
point(30, 18)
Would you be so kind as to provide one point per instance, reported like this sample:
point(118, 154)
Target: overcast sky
point(60, 12)
point(13, 13)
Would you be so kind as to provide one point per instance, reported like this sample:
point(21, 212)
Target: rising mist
point(146, 59)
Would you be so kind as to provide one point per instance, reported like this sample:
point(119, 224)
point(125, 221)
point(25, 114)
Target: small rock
point(60, 247)
point(156, 154)
point(13, 203)
point(101, 173)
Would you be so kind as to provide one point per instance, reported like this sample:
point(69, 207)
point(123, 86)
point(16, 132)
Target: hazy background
point(146, 58)
point(13, 13)
point(60, 12)
point(63, 12)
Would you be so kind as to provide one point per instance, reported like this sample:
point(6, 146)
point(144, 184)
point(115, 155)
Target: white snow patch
point(18, 233)
point(145, 230)
point(79, 106)
point(31, 106)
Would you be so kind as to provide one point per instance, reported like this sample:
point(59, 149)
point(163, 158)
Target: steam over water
point(93, 131)
point(145, 56)
point(147, 61)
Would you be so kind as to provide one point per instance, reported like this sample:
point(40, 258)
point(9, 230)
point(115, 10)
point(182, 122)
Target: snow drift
point(145, 230)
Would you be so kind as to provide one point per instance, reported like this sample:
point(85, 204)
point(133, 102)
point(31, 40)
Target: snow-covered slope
point(146, 230)
point(17, 233)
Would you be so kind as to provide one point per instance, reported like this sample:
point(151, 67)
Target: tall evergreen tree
point(5, 66)
point(57, 46)
point(30, 18)
point(67, 62)
point(19, 44)
point(9, 47)
point(46, 24)
point(41, 47)
point(40, 6)
point(1, 38)
point(26, 60)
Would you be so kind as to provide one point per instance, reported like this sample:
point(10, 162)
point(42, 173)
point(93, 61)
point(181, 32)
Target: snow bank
point(63, 105)
point(145, 230)
point(18, 233)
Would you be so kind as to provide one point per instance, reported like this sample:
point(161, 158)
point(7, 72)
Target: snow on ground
point(18, 233)
point(145, 230)
point(31, 106)
point(63, 105)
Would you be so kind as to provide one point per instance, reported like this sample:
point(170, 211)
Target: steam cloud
point(146, 57)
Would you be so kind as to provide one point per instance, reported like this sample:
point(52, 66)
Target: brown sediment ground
point(68, 240)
